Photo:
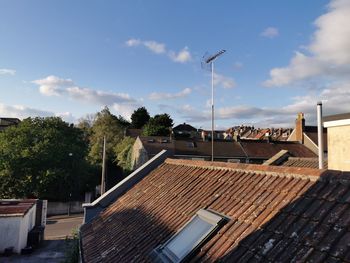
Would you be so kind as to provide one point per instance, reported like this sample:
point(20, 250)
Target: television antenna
point(208, 63)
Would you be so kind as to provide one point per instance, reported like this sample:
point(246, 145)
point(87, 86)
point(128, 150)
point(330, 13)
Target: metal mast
point(210, 60)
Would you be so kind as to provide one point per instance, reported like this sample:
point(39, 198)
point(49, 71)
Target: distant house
point(17, 219)
point(7, 122)
point(338, 132)
point(307, 135)
point(251, 133)
point(243, 151)
point(184, 131)
point(197, 211)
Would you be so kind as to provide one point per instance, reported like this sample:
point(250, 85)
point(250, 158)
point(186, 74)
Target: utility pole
point(103, 180)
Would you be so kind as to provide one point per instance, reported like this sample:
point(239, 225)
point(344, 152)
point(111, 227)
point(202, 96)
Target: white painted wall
point(14, 230)
point(61, 208)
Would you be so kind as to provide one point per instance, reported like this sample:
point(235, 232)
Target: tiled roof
point(12, 207)
point(222, 149)
point(303, 162)
point(184, 127)
point(265, 150)
point(282, 214)
point(154, 144)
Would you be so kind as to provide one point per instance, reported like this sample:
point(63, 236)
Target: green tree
point(105, 125)
point(123, 152)
point(139, 118)
point(159, 125)
point(45, 158)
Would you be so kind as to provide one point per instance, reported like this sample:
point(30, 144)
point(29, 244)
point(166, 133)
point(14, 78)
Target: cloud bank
point(5, 71)
point(183, 56)
point(168, 96)
point(55, 86)
point(328, 54)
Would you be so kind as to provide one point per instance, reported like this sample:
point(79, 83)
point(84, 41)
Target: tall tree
point(159, 125)
point(108, 125)
point(43, 157)
point(139, 118)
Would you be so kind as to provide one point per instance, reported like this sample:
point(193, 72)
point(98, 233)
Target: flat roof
point(15, 207)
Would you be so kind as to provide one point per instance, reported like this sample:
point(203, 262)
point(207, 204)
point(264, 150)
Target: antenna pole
point(212, 111)
point(211, 61)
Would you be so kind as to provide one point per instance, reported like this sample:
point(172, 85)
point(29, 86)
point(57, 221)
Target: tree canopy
point(43, 157)
point(108, 125)
point(139, 118)
point(159, 125)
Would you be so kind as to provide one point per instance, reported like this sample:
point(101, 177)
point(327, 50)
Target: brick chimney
point(300, 127)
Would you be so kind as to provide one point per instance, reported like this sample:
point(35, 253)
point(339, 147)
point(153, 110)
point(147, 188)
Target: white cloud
point(167, 96)
point(21, 112)
point(182, 56)
point(125, 109)
point(225, 82)
point(335, 100)
point(270, 32)
point(155, 47)
point(52, 85)
point(55, 86)
point(5, 71)
point(329, 50)
point(133, 42)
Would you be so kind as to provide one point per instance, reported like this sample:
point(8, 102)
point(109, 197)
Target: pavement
point(58, 227)
point(58, 230)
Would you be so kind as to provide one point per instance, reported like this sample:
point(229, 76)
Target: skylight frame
point(163, 254)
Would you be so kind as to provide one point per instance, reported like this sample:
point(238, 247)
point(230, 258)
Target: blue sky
point(70, 58)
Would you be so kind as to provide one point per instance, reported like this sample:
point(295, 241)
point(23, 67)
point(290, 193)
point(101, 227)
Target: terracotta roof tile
point(284, 214)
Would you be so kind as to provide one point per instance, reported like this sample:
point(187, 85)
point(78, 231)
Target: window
point(201, 227)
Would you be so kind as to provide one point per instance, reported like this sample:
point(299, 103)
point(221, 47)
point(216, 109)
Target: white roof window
point(189, 238)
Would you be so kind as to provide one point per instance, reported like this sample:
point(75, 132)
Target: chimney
point(320, 135)
point(300, 127)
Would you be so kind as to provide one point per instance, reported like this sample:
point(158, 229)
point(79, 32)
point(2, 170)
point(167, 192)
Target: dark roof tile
point(283, 214)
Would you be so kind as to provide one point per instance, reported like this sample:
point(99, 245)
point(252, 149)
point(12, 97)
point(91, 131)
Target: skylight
point(198, 230)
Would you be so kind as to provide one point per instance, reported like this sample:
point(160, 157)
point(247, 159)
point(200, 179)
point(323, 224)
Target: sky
point(72, 58)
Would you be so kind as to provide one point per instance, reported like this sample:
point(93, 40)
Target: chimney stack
point(300, 127)
point(320, 135)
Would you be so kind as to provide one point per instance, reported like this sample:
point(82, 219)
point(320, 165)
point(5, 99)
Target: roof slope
point(303, 162)
point(277, 213)
point(265, 150)
point(222, 149)
point(311, 132)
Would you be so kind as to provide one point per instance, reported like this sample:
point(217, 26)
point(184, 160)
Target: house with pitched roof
point(307, 135)
point(242, 151)
point(198, 211)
